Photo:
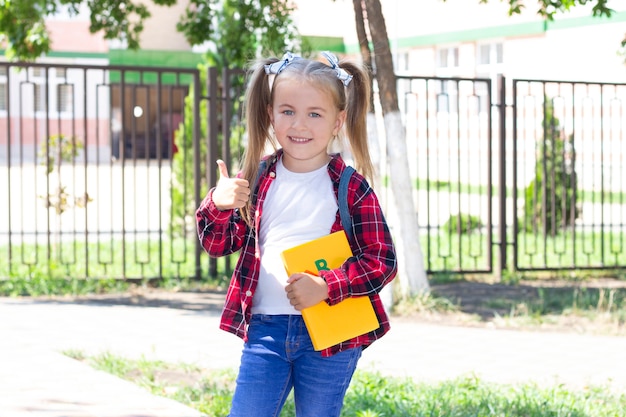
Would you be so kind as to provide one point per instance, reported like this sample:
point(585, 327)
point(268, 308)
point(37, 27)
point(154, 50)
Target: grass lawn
point(374, 395)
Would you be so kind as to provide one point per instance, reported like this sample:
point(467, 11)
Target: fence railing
point(569, 181)
point(102, 167)
point(89, 171)
point(520, 174)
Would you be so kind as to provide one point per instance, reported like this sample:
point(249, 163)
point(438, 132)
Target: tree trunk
point(372, 127)
point(412, 275)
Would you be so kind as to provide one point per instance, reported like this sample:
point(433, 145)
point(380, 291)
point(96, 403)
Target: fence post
point(226, 115)
point(212, 152)
point(502, 264)
point(197, 91)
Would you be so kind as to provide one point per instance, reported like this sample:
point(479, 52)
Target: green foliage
point(30, 269)
point(183, 203)
point(549, 8)
point(53, 152)
point(23, 28)
point(462, 223)
point(604, 308)
point(233, 46)
point(372, 394)
point(174, 260)
point(40, 285)
point(551, 196)
point(425, 302)
point(58, 149)
point(22, 22)
point(239, 31)
point(448, 252)
point(183, 207)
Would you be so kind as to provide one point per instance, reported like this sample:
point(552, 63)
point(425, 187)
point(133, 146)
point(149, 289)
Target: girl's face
point(305, 120)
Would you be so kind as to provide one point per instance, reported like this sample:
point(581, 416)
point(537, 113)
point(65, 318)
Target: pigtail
point(357, 107)
point(257, 100)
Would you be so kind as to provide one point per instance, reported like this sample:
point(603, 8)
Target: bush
point(462, 223)
point(550, 198)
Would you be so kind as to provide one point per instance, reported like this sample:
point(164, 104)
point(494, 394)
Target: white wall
point(580, 53)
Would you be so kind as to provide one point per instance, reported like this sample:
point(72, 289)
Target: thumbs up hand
point(230, 193)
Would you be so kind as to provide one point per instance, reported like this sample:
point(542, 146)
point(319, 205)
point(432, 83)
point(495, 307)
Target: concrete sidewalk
point(36, 379)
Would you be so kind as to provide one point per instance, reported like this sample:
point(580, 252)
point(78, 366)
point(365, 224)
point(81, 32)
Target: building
point(428, 38)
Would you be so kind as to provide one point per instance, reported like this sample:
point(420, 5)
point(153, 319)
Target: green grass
point(106, 259)
point(40, 285)
point(583, 196)
point(78, 268)
point(604, 307)
point(453, 252)
point(175, 260)
point(372, 394)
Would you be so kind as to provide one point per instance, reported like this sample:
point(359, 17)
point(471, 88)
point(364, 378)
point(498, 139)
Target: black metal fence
point(102, 167)
point(520, 174)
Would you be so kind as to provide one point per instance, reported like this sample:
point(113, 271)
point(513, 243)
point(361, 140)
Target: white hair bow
point(334, 64)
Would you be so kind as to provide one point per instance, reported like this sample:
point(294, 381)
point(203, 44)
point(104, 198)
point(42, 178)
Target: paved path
point(36, 379)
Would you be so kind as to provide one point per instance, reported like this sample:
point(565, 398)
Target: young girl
point(298, 106)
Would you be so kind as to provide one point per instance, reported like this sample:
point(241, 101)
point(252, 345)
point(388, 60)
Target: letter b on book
point(330, 325)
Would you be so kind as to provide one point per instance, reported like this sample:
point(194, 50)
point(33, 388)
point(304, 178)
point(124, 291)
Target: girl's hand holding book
point(305, 290)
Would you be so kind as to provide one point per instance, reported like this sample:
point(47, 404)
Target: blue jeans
point(279, 356)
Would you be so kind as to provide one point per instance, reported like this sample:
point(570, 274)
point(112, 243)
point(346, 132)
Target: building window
point(401, 62)
point(447, 97)
point(37, 72)
point(65, 98)
point(448, 57)
point(39, 97)
point(60, 92)
point(489, 54)
point(489, 64)
point(37, 78)
point(3, 96)
point(63, 89)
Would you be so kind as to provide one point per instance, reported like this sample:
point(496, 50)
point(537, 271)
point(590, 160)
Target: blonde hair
point(353, 98)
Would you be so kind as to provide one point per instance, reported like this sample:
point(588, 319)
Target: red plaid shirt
point(366, 273)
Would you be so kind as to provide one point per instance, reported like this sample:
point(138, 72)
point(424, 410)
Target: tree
point(53, 153)
point(23, 28)
point(413, 278)
point(550, 198)
point(23, 31)
point(370, 11)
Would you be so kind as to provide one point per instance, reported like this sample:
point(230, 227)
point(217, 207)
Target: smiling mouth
point(299, 140)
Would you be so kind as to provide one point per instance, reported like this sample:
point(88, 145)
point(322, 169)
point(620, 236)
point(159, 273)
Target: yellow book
point(330, 325)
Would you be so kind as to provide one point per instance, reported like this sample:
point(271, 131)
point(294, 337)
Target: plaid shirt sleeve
point(374, 263)
point(220, 232)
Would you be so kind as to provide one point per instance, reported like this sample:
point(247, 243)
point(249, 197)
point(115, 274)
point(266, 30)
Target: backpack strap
point(344, 210)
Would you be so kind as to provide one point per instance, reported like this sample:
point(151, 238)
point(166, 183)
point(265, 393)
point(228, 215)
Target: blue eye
point(315, 115)
point(288, 112)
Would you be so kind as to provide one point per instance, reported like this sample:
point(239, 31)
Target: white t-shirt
point(298, 207)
